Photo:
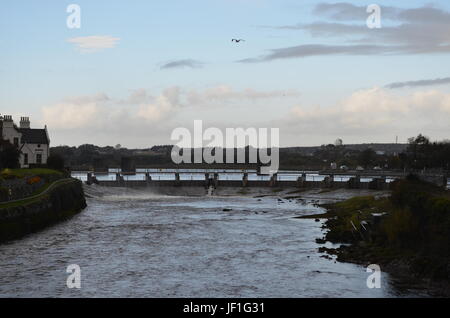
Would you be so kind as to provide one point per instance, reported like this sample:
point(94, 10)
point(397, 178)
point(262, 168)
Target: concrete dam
point(243, 179)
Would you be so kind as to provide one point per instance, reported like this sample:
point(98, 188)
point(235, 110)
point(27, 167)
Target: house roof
point(34, 136)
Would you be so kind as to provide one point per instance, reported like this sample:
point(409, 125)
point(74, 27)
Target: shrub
point(401, 228)
point(4, 194)
point(8, 174)
point(9, 155)
point(55, 162)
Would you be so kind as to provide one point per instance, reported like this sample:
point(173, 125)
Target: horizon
point(171, 145)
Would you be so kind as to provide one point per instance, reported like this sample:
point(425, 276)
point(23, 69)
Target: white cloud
point(94, 43)
point(137, 119)
point(376, 111)
point(70, 115)
point(100, 112)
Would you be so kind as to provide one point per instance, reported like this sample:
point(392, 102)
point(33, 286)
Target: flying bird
point(237, 40)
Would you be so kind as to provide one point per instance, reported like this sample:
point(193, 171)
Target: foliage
point(415, 228)
point(56, 162)
point(367, 158)
point(418, 154)
point(8, 174)
point(9, 155)
point(422, 153)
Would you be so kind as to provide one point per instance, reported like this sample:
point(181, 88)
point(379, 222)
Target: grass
point(21, 173)
point(414, 231)
point(23, 202)
point(355, 209)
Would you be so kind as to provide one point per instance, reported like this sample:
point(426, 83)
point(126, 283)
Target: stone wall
point(60, 203)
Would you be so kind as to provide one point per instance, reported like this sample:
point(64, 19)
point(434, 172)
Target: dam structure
point(213, 179)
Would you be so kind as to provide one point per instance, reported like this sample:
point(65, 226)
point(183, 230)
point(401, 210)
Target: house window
point(38, 158)
point(16, 141)
point(25, 159)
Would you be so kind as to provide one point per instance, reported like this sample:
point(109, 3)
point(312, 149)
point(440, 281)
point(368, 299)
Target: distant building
point(34, 144)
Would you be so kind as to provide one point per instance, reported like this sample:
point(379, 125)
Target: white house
point(34, 144)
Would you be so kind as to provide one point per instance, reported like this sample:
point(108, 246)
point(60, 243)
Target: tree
point(9, 155)
point(420, 149)
point(56, 162)
point(366, 157)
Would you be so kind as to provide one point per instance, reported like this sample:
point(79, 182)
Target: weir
point(212, 180)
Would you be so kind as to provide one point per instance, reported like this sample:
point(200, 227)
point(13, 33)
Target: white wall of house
point(31, 150)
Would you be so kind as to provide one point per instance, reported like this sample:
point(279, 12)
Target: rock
point(320, 241)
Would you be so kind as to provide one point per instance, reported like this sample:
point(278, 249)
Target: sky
point(136, 70)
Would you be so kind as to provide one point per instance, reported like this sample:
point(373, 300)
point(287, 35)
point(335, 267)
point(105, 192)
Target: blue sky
point(45, 75)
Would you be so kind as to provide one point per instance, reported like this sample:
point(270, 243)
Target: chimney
point(24, 122)
point(8, 121)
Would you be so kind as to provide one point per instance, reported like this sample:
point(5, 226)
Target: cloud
point(103, 113)
point(94, 43)
point(421, 30)
point(143, 118)
point(225, 93)
point(71, 115)
point(321, 49)
point(99, 112)
point(374, 111)
point(182, 64)
point(437, 81)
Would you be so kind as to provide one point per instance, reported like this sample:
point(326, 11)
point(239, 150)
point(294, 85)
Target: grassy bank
point(408, 231)
point(21, 183)
point(21, 173)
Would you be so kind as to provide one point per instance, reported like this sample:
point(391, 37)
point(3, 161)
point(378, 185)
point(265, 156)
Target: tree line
point(420, 153)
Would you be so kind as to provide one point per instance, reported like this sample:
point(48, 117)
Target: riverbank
point(407, 233)
point(55, 199)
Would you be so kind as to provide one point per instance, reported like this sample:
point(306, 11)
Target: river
point(132, 243)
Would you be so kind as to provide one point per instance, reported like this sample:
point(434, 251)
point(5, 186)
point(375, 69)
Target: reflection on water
point(133, 243)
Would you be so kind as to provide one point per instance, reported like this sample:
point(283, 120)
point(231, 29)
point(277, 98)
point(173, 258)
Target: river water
point(131, 243)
